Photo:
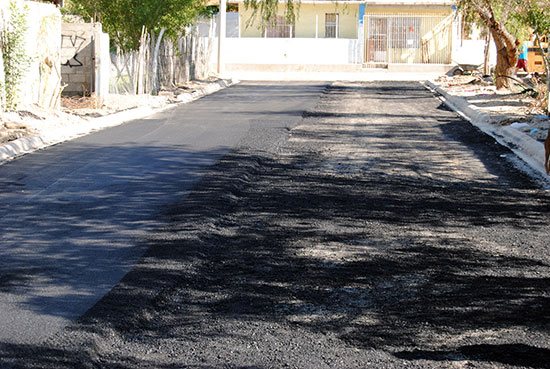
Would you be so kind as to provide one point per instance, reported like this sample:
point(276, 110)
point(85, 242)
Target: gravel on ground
point(383, 232)
point(517, 106)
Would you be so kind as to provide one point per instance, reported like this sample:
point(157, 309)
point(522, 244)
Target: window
point(279, 28)
point(331, 25)
point(405, 32)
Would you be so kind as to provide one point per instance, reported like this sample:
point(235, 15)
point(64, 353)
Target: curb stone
point(26, 145)
point(528, 149)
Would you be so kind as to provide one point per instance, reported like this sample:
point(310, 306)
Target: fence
point(403, 38)
point(178, 61)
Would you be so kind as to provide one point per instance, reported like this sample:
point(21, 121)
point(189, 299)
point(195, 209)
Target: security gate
point(404, 38)
point(377, 42)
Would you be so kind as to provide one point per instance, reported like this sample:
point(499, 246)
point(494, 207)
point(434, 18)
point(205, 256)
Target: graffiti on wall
point(75, 43)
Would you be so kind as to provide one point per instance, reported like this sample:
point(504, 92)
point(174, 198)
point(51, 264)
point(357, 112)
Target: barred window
point(331, 25)
point(279, 28)
point(405, 32)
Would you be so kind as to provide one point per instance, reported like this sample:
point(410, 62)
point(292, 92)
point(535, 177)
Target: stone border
point(26, 145)
point(528, 149)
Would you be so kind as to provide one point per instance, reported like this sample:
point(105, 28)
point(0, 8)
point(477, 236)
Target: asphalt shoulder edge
point(526, 148)
point(27, 145)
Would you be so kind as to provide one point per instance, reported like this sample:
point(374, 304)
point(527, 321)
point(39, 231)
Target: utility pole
point(221, 37)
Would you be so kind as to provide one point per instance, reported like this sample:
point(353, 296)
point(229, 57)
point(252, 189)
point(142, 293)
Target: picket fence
point(178, 61)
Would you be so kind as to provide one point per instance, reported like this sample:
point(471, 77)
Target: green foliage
point(502, 10)
point(266, 11)
point(124, 19)
point(16, 61)
point(534, 14)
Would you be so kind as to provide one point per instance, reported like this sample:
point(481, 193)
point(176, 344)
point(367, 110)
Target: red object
point(522, 63)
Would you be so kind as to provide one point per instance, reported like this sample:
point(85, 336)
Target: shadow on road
point(419, 262)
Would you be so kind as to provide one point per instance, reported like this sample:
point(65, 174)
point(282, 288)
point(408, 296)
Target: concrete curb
point(528, 149)
point(26, 145)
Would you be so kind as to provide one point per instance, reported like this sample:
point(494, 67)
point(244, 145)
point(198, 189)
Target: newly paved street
point(377, 230)
point(73, 217)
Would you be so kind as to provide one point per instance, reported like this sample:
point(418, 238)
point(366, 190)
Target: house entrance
point(377, 40)
point(407, 38)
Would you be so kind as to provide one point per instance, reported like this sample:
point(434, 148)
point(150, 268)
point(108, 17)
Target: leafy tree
point(124, 20)
point(14, 57)
point(266, 11)
point(504, 29)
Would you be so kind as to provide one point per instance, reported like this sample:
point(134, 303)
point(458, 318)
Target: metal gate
point(377, 42)
point(406, 38)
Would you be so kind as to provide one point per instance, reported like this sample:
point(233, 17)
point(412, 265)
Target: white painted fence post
point(221, 37)
point(316, 26)
point(156, 63)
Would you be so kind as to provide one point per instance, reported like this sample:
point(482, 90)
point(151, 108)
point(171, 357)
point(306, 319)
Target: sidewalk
point(522, 133)
point(56, 130)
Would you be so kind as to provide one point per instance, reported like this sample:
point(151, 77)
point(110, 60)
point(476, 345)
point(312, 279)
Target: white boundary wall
point(85, 59)
point(473, 52)
point(292, 51)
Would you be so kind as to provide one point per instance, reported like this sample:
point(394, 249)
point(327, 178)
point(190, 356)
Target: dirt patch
point(518, 106)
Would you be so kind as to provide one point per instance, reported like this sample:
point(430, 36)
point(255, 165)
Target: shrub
point(15, 60)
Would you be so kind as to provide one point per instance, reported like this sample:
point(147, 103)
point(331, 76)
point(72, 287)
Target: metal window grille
point(280, 28)
point(405, 32)
point(406, 38)
point(331, 25)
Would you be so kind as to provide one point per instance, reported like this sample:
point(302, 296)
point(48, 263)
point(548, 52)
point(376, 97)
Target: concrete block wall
point(76, 58)
point(83, 61)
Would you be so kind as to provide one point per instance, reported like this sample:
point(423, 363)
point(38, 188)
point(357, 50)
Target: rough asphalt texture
point(72, 216)
point(380, 231)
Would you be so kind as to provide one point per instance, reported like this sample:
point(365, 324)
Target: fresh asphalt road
point(72, 216)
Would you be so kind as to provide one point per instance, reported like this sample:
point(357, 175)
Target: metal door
point(377, 40)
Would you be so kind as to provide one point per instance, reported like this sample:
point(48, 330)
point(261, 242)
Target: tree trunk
point(486, 66)
point(505, 68)
point(506, 44)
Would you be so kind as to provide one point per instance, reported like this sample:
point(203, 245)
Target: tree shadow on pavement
point(426, 266)
point(330, 255)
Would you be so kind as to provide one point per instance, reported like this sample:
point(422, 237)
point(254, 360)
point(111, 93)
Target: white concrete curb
point(29, 144)
point(528, 149)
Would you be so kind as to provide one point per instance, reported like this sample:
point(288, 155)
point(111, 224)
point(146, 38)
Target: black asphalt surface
point(73, 217)
point(378, 231)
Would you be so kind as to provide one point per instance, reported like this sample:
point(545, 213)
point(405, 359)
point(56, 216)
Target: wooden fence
point(177, 62)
